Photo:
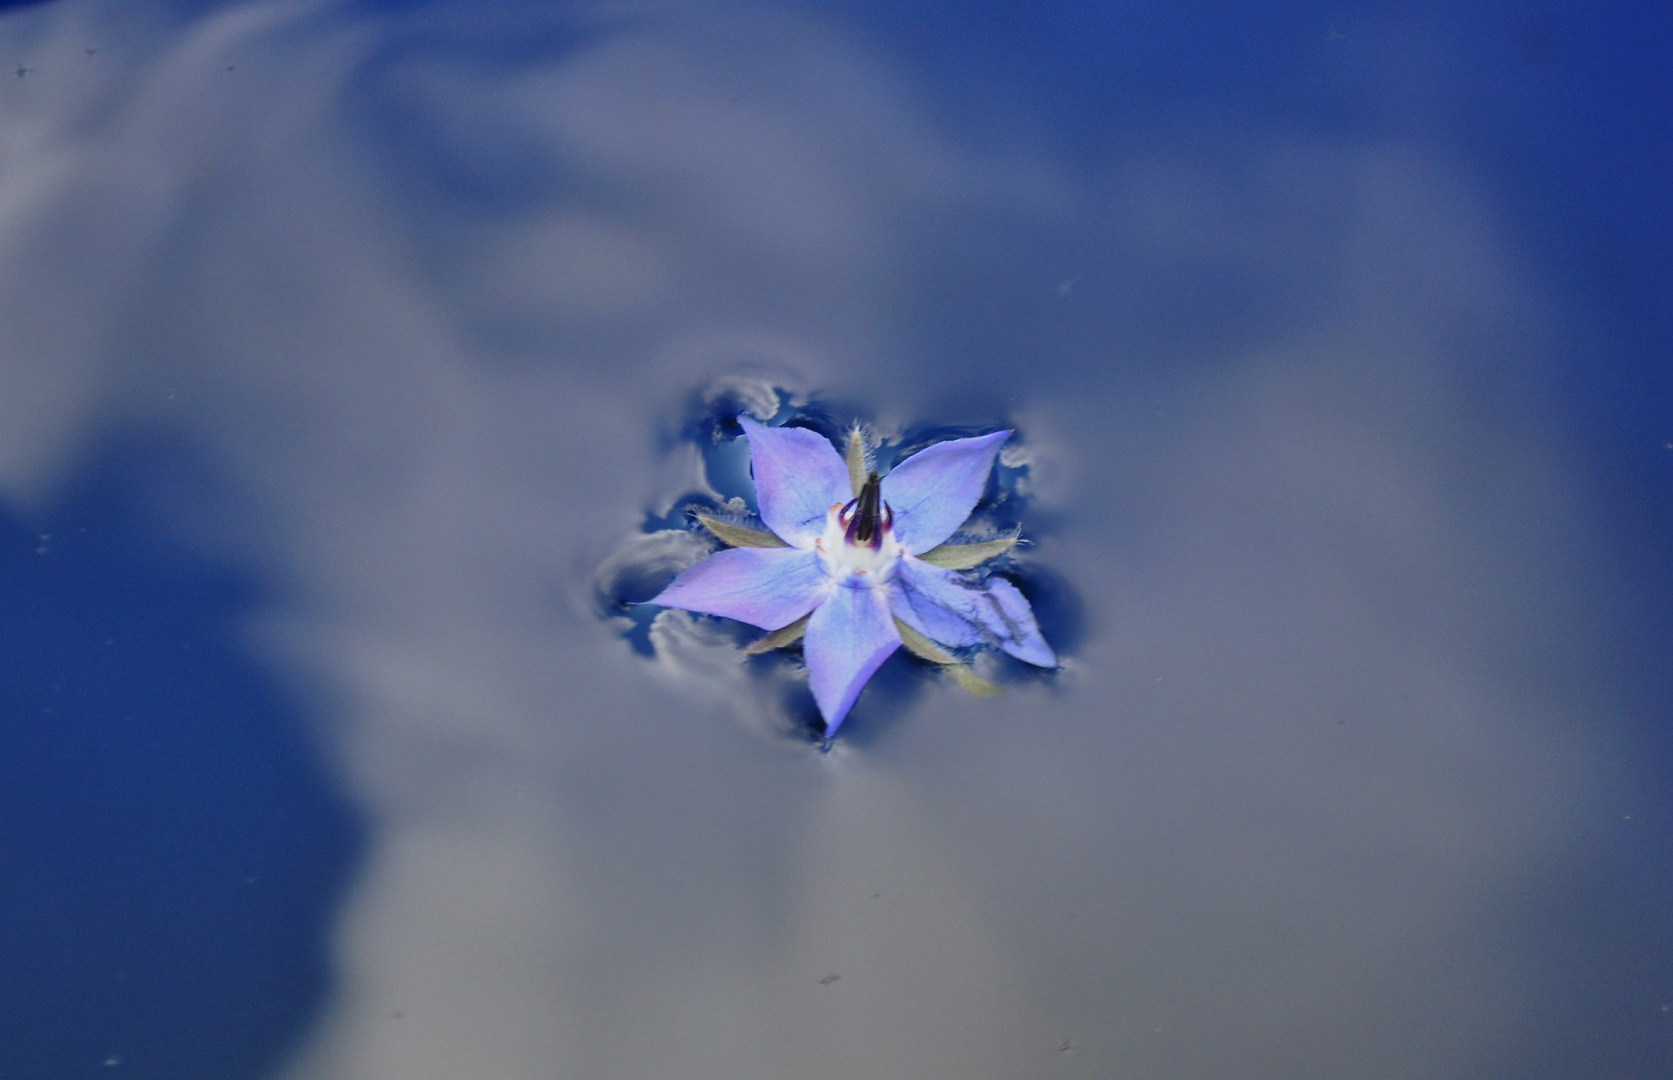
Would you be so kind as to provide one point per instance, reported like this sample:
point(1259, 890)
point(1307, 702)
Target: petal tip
point(1036, 653)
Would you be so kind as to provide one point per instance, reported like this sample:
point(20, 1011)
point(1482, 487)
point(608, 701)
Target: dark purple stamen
point(867, 523)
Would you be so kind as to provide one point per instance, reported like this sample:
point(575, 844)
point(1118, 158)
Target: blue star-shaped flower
point(857, 563)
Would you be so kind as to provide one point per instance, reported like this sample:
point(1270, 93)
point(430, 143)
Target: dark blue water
point(360, 366)
point(171, 844)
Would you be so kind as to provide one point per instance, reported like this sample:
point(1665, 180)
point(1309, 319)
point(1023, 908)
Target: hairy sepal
point(858, 461)
point(925, 649)
point(780, 638)
point(967, 556)
point(972, 682)
point(739, 535)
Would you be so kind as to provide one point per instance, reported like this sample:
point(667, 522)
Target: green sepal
point(739, 535)
point(972, 682)
point(778, 639)
point(922, 647)
point(856, 460)
point(925, 649)
point(965, 556)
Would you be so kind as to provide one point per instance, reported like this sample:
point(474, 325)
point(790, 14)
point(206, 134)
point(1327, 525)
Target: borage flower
point(856, 565)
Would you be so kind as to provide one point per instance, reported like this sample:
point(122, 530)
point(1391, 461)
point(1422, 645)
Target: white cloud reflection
point(430, 294)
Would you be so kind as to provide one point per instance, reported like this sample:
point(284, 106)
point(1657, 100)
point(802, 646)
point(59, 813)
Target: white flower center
point(843, 558)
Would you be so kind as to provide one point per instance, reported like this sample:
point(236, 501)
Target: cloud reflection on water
point(428, 294)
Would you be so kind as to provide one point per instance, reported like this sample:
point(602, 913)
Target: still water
point(360, 363)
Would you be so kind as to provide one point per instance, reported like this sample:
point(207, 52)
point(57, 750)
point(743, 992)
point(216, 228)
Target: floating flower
point(856, 565)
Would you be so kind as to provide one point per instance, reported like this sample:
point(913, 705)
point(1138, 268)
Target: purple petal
point(849, 636)
point(935, 602)
point(765, 587)
point(944, 607)
point(798, 476)
point(1006, 615)
point(933, 491)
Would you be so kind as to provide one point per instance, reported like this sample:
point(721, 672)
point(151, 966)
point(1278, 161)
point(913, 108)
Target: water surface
point(1352, 768)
